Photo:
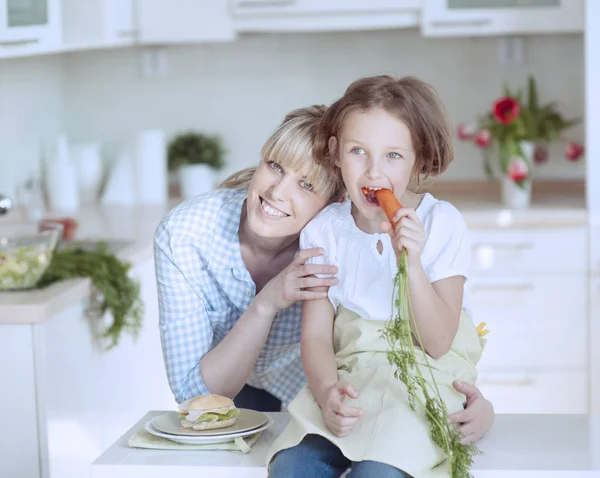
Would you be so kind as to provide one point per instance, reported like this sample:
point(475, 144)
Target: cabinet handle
point(499, 286)
point(516, 246)
point(19, 42)
point(263, 3)
point(523, 381)
point(461, 23)
point(127, 33)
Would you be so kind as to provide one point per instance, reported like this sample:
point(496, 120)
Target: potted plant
point(517, 135)
point(195, 157)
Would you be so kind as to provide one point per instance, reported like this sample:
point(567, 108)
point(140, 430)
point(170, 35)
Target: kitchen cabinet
point(318, 15)
point(98, 23)
point(68, 398)
point(531, 291)
point(184, 21)
point(501, 17)
point(592, 116)
point(29, 27)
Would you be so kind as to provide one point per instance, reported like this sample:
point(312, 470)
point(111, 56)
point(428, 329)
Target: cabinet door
point(164, 21)
point(535, 323)
point(98, 23)
point(528, 391)
point(27, 25)
point(498, 17)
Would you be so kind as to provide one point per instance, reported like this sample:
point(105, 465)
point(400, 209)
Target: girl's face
point(374, 150)
point(280, 202)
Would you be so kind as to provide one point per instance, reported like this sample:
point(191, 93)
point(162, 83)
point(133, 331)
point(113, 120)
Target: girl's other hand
point(295, 282)
point(339, 417)
point(408, 234)
point(477, 418)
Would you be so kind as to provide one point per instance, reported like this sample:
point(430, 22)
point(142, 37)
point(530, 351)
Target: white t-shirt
point(365, 276)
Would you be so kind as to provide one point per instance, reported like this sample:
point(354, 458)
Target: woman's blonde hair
point(291, 146)
point(411, 100)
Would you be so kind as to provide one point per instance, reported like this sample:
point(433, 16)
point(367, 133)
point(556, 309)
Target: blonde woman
point(231, 279)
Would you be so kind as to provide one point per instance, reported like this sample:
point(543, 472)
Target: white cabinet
point(501, 17)
point(98, 23)
point(184, 21)
point(531, 291)
point(29, 27)
point(318, 15)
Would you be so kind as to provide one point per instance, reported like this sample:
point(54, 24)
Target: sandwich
point(206, 412)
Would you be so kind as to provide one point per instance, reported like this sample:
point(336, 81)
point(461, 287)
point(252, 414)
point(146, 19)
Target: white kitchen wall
point(243, 89)
point(31, 112)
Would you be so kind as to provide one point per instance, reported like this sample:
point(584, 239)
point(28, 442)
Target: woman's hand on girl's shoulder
point(296, 282)
point(339, 417)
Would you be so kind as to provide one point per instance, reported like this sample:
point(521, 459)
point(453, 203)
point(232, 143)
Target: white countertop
point(517, 446)
point(138, 223)
point(134, 225)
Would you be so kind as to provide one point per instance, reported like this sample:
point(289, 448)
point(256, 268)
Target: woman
point(231, 280)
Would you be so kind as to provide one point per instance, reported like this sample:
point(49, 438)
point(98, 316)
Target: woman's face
point(280, 202)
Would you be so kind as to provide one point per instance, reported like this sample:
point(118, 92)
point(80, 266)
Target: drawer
point(534, 322)
point(537, 251)
point(550, 392)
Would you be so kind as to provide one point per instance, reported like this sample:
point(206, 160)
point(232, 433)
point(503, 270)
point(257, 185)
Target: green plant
point(119, 293)
point(195, 148)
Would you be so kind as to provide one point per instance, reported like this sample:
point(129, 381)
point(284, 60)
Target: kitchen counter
point(131, 229)
point(517, 446)
point(135, 226)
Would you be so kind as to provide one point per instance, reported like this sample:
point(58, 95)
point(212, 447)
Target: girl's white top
point(365, 276)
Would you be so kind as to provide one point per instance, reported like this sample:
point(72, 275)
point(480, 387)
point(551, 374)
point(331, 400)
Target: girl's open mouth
point(369, 194)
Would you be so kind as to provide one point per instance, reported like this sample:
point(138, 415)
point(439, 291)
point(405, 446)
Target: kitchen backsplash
point(242, 89)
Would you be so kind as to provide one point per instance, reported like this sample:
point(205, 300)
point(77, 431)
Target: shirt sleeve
point(185, 330)
point(448, 249)
point(318, 233)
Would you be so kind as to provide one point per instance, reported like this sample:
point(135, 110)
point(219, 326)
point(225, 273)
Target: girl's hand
point(408, 234)
point(340, 418)
point(295, 282)
point(475, 420)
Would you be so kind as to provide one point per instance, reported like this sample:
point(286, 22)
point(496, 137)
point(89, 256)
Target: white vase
point(515, 196)
point(196, 179)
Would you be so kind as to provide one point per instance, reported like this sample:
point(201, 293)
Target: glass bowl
point(25, 254)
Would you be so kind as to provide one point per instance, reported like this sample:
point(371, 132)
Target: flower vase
point(516, 183)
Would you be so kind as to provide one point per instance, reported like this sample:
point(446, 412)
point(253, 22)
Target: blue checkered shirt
point(204, 287)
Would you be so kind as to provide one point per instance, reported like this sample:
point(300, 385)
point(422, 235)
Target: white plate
point(203, 440)
point(171, 423)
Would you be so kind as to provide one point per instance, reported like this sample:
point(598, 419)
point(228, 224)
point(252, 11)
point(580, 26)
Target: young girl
point(382, 134)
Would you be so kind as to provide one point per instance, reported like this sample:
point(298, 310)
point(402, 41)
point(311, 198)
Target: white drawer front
point(523, 392)
point(537, 322)
point(537, 251)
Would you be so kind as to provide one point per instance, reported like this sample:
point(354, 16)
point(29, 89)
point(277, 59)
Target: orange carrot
point(388, 202)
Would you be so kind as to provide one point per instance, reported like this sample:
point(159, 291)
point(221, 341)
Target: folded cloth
point(143, 439)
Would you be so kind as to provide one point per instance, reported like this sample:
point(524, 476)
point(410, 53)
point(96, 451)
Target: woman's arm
point(193, 366)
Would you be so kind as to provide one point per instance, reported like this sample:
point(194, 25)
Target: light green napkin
point(143, 439)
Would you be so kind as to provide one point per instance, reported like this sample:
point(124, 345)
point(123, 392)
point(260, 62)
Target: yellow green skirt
point(389, 431)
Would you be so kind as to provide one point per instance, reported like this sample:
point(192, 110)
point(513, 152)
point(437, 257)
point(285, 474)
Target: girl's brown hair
point(291, 145)
point(411, 100)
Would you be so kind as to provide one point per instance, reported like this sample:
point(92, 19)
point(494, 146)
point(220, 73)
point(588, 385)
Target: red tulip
point(483, 138)
point(506, 109)
point(573, 151)
point(517, 170)
point(466, 131)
